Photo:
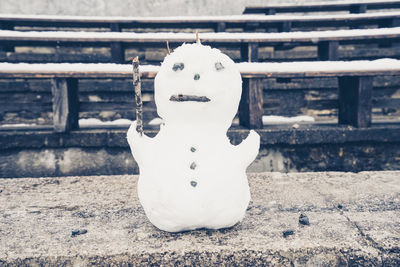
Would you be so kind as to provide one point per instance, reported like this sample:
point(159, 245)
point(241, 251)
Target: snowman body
point(191, 176)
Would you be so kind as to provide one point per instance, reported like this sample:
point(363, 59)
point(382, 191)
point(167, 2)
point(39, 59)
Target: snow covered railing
point(355, 85)
point(350, 6)
point(218, 23)
point(327, 42)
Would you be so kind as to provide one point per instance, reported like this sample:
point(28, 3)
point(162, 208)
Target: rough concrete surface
point(354, 220)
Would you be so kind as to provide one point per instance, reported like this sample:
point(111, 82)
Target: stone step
point(353, 220)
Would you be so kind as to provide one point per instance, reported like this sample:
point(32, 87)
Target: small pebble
point(287, 233)
point(76, 232)
point(339, 206)
point(193, 183)
point(303, 219)
point(296, 125)
point(1, 191)
point(193, 149)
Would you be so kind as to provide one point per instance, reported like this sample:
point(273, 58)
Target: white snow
point(130, 37)
point(97, 122)
point(17, 125)
point(308, 4)
point(271, 119)
point(191, 176)
point(73, 67)
point(230, 18)
point(156, 121)
point(381, 65)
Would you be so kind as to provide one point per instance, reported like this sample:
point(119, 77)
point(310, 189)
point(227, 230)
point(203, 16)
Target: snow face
point(199, 71)
point(190, 175)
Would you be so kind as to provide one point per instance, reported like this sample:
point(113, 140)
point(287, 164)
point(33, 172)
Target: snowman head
point(198, 84)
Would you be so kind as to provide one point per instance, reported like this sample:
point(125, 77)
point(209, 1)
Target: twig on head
point(197, 38)
point(168, 50)
point(138, 95)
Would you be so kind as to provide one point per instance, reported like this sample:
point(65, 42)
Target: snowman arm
point(139, 144)
point(248, 148)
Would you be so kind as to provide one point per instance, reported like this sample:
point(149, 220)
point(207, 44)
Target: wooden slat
point(65, 104)
point(355, 101)
point(328, 50)
point(251, 104)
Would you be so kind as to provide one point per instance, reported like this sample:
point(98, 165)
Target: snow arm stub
point(139, 143)
point(248, 149)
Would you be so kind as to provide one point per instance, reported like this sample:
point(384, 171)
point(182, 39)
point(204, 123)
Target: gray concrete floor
point(354, 220)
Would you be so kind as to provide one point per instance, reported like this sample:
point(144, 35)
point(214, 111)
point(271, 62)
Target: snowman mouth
point(184, 98)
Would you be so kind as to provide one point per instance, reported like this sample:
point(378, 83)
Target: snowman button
point(193, 149)
point(193, 165)
point(193, 183)
point(196, 77)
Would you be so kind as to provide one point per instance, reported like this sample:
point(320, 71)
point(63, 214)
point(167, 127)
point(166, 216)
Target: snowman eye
point(178, 66)
point(219, 66)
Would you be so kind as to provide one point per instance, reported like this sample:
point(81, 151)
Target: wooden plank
point(65, 104)
point(249, 52)
point(4, 47)
point(285, 26)
point(355, 100)
point(251, 104)
point(328, 50)
point(117, 50)
point(358, 8)
point(221, 27)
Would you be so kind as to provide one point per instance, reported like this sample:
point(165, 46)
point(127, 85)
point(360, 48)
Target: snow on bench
point(52, 19)
point(248, 70)
point(352, 7)
point(355, 85)
point(326, 41)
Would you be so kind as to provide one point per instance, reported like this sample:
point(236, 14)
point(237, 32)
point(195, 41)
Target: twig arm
point(138, 95)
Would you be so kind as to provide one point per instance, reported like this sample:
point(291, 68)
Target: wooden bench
point(352, 7)
point(355, 85)
point(328, 42)
point(215, 23)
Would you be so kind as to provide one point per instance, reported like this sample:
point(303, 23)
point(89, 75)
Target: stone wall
point(130, 7)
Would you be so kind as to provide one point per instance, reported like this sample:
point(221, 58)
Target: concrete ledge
point(354, 220)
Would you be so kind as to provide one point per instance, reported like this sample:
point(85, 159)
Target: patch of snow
point(156, 121)
point(131, 37)
point(227, 18)
point(73, 67)
point(96, 122)
point(271, 119)
point(18, 125)
point(379, 65)
point(382, 65)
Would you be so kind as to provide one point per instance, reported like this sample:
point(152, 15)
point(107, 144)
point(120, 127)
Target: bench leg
point(249, 52)
point(117, 49)
point(65, 104)
point(328, 50)
point(355, 100)
point(6, 47)
point(251, 103)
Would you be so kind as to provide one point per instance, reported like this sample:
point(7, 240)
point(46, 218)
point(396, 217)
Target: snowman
point(191, 176)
